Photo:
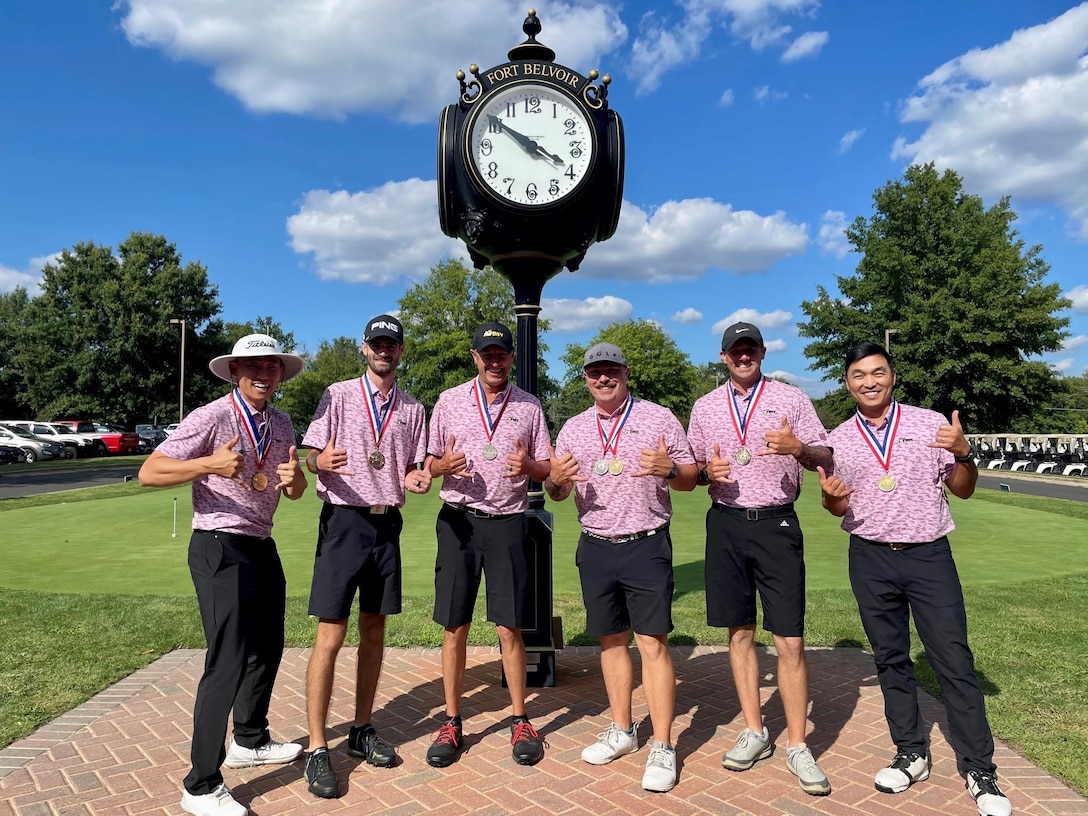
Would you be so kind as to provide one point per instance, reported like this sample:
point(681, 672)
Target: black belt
point(623, 539)
point(472, 511)
point(898, 546)
point(756, 513)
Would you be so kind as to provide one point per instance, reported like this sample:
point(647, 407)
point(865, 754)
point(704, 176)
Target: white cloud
point(379, 236)
point(764, 320)
point(30, 277)
point(686, 239)
point(726, 98)
point(764, 94)
point(663, 44)
point(1079, 296)
point(848, 139)
point(1074, 343)
point(329, 58)
point(832, 238)
point(1011, 119)
point(1063, 365)
point(688, 315)
point(777, 344)
point(807, 45)
point(391, 232)
point(810, 385)
point(578, 315)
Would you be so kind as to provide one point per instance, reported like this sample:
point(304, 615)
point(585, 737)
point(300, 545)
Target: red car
point(117, 441)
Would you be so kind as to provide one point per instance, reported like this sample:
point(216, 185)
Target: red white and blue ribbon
point(881, 448)
point(260, 437)
point(379, 418)
point(740, 420)
point(611, 441)
point(485, 410)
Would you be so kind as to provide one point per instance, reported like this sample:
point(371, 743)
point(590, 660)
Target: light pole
point(888, 338)
point(181, 387)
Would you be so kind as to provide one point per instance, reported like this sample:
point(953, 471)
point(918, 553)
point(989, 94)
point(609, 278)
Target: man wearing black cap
point(366, 439)
point(487, 439)
point(752, 438)
point(619, 458)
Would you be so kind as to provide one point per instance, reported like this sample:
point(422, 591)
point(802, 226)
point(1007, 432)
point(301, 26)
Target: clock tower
point(530, 175)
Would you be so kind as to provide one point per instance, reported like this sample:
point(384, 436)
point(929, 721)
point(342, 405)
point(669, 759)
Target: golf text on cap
point(493, 333)
point(260, 342)
point(604, 353)
point(381, 324)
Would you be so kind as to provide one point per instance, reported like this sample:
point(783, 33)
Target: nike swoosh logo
point(738, 331)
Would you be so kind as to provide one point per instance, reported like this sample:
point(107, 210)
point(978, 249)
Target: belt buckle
point(897, 546)
point(378, 509)
point(751, 514)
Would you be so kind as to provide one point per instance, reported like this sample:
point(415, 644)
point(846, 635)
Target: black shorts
point(470, 546)
point(626, 586)
point(356, 551)
point(743, 557)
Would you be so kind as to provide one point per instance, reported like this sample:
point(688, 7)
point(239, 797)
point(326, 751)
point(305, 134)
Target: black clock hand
point(527, 144)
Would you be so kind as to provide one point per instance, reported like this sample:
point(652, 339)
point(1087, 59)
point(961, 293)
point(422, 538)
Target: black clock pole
point(529, 194)
point(542, 632)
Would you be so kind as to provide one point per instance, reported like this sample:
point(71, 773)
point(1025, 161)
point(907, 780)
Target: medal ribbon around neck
point(379, 419)
point(740, 421)
point(262, 442)
point(490, 426)
point(881, 448)
point(611, 441)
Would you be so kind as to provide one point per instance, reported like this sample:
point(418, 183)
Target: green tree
point(440, 316)
point(962, 293)
point(707, 377)
point(660, 371)
point(97, 343)
point(336, 360)
point(12, 308)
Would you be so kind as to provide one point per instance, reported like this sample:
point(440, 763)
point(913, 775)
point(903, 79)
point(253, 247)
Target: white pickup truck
point(74, 444)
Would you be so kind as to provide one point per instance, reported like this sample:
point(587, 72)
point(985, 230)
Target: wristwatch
point(970, 457)
point(674, 472)
point(704, 477)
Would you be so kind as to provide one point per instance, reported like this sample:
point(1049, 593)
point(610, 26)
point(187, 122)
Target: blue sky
point(289, 146)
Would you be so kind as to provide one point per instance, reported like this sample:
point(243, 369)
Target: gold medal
point(615, 467)
point(743, 456)
point(376, 460)
point(600, 467)
point(886, 483)
point(259, 481)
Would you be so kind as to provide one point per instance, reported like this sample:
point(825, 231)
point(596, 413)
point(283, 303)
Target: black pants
point(889, 585)
point(241, 590)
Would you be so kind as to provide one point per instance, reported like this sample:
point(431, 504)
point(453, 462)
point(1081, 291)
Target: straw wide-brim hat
point(257, 345)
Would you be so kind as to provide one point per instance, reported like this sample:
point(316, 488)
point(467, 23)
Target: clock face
point(529, 145)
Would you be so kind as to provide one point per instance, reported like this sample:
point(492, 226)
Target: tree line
point(948, 281)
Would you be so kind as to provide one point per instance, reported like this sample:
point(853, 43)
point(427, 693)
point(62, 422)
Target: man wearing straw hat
point(239, 454)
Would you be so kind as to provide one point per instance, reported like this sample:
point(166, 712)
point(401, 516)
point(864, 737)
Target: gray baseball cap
point(604, 353)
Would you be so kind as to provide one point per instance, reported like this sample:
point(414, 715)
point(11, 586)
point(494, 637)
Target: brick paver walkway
point(125, 751)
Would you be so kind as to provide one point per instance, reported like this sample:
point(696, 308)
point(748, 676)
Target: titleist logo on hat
point(258, 342)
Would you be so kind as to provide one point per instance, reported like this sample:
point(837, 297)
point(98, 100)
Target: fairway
point(124, 545)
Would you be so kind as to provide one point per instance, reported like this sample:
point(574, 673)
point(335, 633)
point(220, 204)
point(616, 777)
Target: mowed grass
point(94, 585)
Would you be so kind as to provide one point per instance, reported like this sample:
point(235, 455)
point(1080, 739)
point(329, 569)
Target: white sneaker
point(906, 769)
point(271, 753)
point(660, 773)
point(611, 744)
point(217, 803)
point(987, 795)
